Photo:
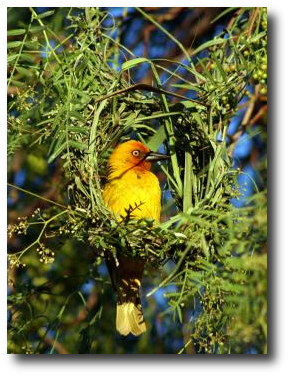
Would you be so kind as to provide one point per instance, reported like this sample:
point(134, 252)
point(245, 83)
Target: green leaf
point(28, 58)
point(71, 144)
point(15, 32)
point(82, 298)
point(188, 104)
point(11, 57)
point(76, 115)
point(14, 44)
point(179, 313)
point(25, 71)
point(32, 45)
point(84, 97)
point(57, 152)
point(78, 145)
point(204, 247)
point(208, 44)
point(157, 139)
point(258, 36)
point(220, 69)
point(79, 185)
point(132, 63)
point(186, 86)
point(17, 83)
point(45, 14)
point(187, 183)
point(37, 29)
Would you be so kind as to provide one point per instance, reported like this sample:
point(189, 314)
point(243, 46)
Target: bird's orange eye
point(136, 153)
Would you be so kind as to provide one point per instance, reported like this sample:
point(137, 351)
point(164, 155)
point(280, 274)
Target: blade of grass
point(187, 185)
point(171, 137)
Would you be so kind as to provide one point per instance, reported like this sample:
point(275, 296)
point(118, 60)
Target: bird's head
point(131, 155)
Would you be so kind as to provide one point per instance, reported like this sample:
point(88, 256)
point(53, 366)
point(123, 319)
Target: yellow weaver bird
point(131, 182)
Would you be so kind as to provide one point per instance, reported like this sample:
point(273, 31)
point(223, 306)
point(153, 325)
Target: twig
point(185, 347)
point(58, 346)
point(253, 18)
point(232, 20)
point(83, 313)
point(258, 115)
point(147, 87)
point(37, 196)
point(246, 119)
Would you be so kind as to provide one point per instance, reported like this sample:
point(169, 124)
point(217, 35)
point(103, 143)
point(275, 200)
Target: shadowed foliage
point(78, 84)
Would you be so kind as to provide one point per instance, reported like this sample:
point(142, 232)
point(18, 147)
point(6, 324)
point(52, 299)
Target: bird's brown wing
point(126, 274)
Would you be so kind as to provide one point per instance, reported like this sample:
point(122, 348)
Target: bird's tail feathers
point(129, 319)
point(126, 278)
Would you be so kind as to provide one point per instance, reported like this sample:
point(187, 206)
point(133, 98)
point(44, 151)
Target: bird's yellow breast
point(137, 188)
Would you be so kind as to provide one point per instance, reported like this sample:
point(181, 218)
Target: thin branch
point(83, 313)
point(37, 196)
point(147, 87)
point(246, 119)
point(259, 114)
point(57, 345)
point(252, 20)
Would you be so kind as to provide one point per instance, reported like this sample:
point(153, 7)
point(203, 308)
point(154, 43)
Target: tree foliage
point(70, 100)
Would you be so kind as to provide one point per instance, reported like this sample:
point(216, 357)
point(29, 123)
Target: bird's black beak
point(154, 156)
